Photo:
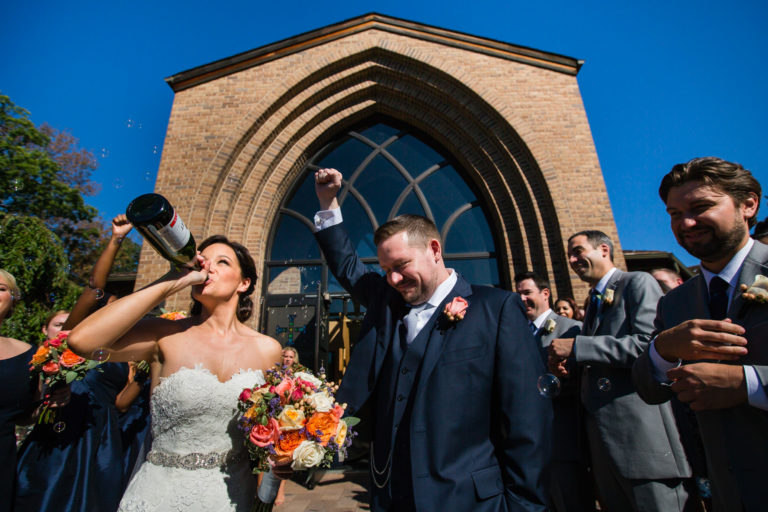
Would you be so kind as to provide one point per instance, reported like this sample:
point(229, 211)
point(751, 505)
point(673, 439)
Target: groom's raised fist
point(327, 185)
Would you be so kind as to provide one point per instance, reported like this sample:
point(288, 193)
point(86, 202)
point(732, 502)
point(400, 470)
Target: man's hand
point(709, 385)
point(559, 351)
point(702, 339)
point(120, 227)
point(327, 185)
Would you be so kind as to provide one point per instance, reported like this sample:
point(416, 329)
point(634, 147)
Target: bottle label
point(175, 234)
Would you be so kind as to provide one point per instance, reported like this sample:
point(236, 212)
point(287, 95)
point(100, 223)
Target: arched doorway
point(389, 169)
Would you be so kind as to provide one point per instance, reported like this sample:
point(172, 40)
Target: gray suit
point(735, 439)
point(570, 487)
point(640, 441)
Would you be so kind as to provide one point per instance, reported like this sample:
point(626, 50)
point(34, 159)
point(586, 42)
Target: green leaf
point(70, 376)
point(351, 421)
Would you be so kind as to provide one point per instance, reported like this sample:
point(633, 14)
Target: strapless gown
point(198, 459)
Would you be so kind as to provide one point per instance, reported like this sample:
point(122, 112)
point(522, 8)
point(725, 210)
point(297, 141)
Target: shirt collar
point(441, 292)
point(603, 283)
point(730, 273)
point(541, 318)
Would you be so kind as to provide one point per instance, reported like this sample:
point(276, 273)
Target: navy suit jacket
point(480, 432)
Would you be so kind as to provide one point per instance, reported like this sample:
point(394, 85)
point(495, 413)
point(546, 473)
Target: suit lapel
point(397, 311)
point(754, 264)
point(438, 337)
point(613, 282)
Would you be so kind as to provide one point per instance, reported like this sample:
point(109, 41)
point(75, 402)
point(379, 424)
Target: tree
point(35, 257)
point(29, 177)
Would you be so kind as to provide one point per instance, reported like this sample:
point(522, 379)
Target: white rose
point(321, 401)
point(308, 377)
point(291, 418)
point(307, 455)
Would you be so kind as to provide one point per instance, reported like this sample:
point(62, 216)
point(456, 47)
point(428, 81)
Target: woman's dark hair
point(247, 271)
point(576, 311)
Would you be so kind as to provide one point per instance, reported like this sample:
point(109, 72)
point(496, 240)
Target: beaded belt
point(194, 460)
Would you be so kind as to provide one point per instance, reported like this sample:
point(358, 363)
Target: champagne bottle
point(157, 221)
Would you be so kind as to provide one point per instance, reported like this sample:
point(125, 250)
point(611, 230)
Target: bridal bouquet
point(293, 417)
point(58, 366)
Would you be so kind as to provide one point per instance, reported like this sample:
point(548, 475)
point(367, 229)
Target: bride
point(198, 460)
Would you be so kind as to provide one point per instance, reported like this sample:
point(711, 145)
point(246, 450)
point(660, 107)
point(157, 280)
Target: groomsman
point(711, 349)
point(637, 457)
point(570, 487)
point(667, 279)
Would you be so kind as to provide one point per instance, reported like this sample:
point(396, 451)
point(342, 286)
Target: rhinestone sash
point(194, 460)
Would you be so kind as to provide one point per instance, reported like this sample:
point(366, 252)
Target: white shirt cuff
point(326, 218)
point(660, 365)
point(755, 391)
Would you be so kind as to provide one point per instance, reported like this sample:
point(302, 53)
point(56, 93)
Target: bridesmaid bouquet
point(58, 366)
point(294, 417)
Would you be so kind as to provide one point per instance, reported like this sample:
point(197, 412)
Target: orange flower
point(326, 423)
point(288, 442)
point(41, 355)
point(69, 359)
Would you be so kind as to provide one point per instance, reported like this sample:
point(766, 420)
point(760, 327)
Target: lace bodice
point(192, 411)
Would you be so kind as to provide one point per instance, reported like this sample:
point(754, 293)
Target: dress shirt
point(602, 284)
point(730, 274)
point(541, 319)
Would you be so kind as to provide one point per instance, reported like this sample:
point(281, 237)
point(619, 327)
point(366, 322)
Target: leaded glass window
point(388, 171)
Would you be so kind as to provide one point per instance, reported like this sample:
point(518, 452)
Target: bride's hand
point(188, 276)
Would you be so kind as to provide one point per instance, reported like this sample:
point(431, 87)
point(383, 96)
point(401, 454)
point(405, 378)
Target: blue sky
point(662, 82)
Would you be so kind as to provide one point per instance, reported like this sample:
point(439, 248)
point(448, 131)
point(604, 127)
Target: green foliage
point(35, 257)
point(29, 177)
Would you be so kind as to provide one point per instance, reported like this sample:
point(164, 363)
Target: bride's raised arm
point(122, 327)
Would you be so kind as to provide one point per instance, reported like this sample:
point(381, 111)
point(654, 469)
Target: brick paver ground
point(335, 491)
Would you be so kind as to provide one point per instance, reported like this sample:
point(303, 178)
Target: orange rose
point(41, 355)
point(288, 442)
point(69, 359)
point(324, 425)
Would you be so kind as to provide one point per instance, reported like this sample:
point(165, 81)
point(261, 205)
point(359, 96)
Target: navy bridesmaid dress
point(135, 426)
point(81, 467)
point(15, 400)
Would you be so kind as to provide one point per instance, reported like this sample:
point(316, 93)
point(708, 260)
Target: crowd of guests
point(661, 401)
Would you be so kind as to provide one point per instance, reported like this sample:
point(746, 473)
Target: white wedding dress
point(198, 459)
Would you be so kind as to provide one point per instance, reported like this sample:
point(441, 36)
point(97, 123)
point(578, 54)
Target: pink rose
point(245, 395)
point(338, 411)
point(456, 309)
point(264, 435)
point(297, 395)
point(50, 367)
point(285, 388)
point(55, 342)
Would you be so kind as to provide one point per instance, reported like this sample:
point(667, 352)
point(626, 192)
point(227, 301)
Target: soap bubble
point(603, 384)
point(59, 427)
point(100, 354)
point(548, 385)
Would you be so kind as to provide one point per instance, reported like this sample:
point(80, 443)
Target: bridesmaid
point(81, 467)
point(17, 396)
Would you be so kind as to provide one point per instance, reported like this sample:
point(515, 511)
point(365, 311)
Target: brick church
point(487, 138)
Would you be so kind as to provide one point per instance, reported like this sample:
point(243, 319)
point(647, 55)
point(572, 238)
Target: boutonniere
point(758, 291)
point(607, 297)
point(549, 326)
point(456, 309)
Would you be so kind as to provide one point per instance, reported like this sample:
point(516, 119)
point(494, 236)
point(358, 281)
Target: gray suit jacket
point(735, 439)
point(565, 431)
point(641, 439)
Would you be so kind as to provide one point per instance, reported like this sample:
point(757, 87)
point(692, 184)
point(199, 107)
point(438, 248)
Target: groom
point(458, 423)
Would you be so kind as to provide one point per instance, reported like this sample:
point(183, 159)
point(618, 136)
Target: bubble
point(548, 385)
point(98, 293)
point(603, 384)
point(104, 152)
point(17, 184)
point(154, 149)
point(140, 126)
point(59, 427)
point(118, 183)
point(148, 176)
point(129, 123)
point(100, 354)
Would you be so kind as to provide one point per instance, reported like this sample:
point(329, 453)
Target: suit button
point(400, 398)
point(404, 371)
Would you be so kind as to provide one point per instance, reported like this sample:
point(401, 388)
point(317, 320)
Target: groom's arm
point(525, 434)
